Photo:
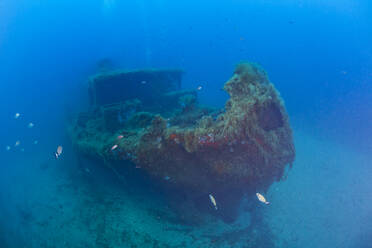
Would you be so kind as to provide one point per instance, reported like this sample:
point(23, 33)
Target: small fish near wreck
point(261, 198)
point(114, 147)
point(245, 146)
point(58, 153)
point(213, 201)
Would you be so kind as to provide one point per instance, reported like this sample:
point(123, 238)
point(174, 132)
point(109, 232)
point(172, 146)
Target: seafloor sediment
point(57, 205)
point(144, 120)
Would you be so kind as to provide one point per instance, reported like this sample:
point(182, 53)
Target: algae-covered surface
point(188, 148)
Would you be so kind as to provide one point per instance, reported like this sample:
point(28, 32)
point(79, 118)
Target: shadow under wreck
point(144, 118)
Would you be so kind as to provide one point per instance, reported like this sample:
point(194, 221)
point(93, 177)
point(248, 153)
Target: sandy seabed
point(324, 202)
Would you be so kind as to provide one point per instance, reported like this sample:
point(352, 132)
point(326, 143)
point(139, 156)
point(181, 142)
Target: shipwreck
point(144, 119)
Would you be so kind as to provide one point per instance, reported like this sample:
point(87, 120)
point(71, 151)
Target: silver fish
point(213, 201)
point(261, 198)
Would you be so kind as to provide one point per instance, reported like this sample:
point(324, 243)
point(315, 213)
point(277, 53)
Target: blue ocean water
point(318, 54)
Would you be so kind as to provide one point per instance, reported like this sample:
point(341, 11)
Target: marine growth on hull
point(144, 120)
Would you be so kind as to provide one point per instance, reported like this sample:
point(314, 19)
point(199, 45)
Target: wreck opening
point(270, 117)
